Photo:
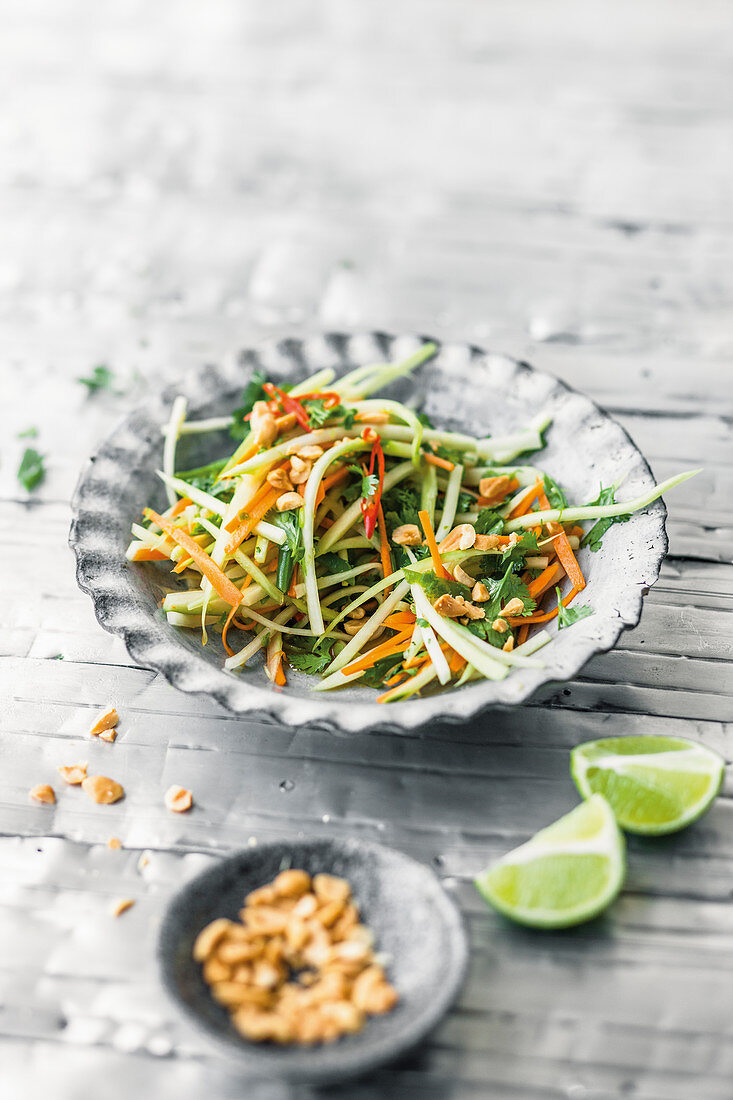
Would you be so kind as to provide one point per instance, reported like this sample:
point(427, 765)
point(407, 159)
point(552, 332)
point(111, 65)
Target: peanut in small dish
point(299, 967)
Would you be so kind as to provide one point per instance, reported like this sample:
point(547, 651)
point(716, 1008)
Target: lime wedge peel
point(655, 785)
point(566, 874)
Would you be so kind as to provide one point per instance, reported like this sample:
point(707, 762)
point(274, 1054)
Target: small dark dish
point(461, 388)
point(413, 920)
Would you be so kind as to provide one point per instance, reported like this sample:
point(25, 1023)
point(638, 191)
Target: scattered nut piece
point(487, 542)
point(43, 793)
point(102, 789)
point(357, 613)
point(515, 606)
point(105, 720)
point(462, 537)
point(298, 464)
point(73, 774)
point(262, 424)
point(288, 501)
point(460, 575)
point(122, 907)
point(500, 625)
point(209, 937)
point(375, 416)
point(352, 626)
point(299, 477)
point(178, 799)
point(493, 489)
point(407, 534)
point(312, 450)
point(108, 735)
point(292, 884)
point(114, 843)
point(508, 644)
point(454, 607)
point(480, 593)
point(279, 480)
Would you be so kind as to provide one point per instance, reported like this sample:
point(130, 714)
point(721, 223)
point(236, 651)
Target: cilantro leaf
point(425, 420)
point(517, 553)
point(380, 671)
point(332, 563)
point(318, 414)
point(401, 505)
point(594, 538)
point(434, 586)
point(554, 493)
point(369, 482)
point(310, 658)
point(483, 629)
point(253, 391)
point(422, 622)
point(101, 378)
point(289, 522)
point(505, 588)
point(31, 471)
point(488, 522)
point(566, 616)
point(29, 433)
point(465, 502)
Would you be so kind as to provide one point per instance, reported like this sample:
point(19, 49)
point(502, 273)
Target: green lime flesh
point(566, 874)
point(655, 785)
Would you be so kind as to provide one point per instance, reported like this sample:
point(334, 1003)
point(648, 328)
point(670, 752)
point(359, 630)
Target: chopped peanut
point(178, 799)
point(105, 720)
point(114, 843)
point(500, 625)
point(262, 424)
point(352, 626)
point(515, 606)
point(43, 793)
point(460, 575)
point(493, 489)
point(288, 501)
point(374, 416)
point(311, 451)
point(462, 537)
point(300, 968)
point(408, 534)
point(102, 789)
point(480, 593)
point(299, 477)
point(73, 774)
point(357, 613)
point(453, 607)
point(108, 735)
point(122, 907)
point(508, 644)
point(279, 480)
point(486, 542)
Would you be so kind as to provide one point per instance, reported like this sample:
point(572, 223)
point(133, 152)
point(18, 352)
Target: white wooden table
point(549, 180)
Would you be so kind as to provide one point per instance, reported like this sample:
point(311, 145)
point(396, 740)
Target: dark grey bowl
point(462, 387)
point(402, 901)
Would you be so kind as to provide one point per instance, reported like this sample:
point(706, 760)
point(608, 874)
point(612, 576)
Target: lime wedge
point(655, 785)
point(564, 875)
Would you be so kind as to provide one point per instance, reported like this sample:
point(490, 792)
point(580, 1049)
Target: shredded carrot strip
point(399, 621)
point(442, 463)
point(333, 479)
point(148, 553)
point(522, 635)
point(577, 531)
point(545, 579)
point(393, 679)
point(395, 645)
point(455, 662)
point(182, 565)
point(427, 527)
point(279, 673)
point(526, 502)
point(565, 553)
point(210, 569)
point(526, 619)
point(254, 515)
point(235, 521)
point(384, 546)
point(227, 624)
point(385, 698)
point(416, 661)
point(179, 506)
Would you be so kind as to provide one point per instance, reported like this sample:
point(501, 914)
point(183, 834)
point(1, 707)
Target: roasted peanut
point(43, 793)
point(288, 501)
point(102, 789)
point(453, 607)
point(407, 534)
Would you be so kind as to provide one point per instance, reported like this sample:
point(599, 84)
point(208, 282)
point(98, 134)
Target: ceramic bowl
point(462, 387)
point(415, 924)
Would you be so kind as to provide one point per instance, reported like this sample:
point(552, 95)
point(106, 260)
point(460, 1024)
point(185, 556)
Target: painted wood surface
point(548, 180)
